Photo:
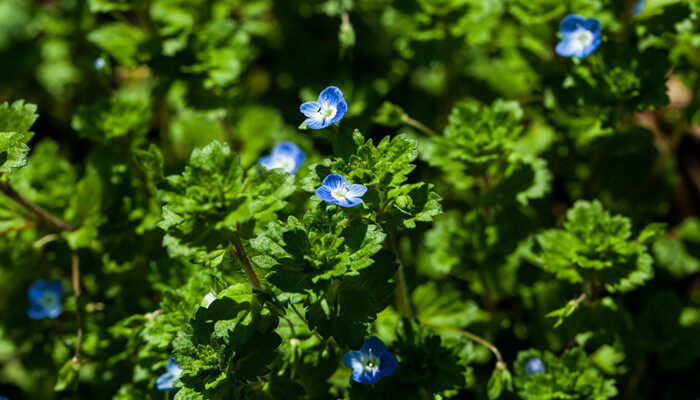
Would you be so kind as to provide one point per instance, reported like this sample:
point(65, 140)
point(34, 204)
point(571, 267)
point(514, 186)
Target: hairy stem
point(403, 304)
point(75, 267)
point(41, 214)
point(240, 253)
point(22, 227)
point(406, 119)
point(499, 358)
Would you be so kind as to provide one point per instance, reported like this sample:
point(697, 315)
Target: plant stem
point(470, 336)
point(41, 214)
point(406, 119)
point(22, 227)
point(75, 267)
point(403, 304)
point(240, 253)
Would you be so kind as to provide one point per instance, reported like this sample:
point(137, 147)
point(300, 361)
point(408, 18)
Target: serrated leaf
point(15, 121)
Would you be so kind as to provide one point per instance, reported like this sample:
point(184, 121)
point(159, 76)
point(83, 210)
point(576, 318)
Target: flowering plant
point(349, 199)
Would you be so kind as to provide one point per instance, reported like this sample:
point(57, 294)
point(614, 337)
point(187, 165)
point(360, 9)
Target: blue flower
point(580, 36)
point(329, 109)
point(371, 363)
point(534, 366)
point(3, 398)
point(336, 189)
point(99, 63)
point(285, 155)
point(45, 299)
point(167, 380)
point(638, 7)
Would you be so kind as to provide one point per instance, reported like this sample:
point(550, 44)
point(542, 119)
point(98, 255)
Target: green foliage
point(516, 199)
point(225, 345)
point(570, 376)
point(212, 202)
point(320, 247)
point(596, 246)
point(15, 121)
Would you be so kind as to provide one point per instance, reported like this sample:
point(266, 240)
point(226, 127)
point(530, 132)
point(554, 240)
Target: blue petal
point(54, 312)
point(349, 202)
point(350, 357)
point(331, 96)
point(172, 365)
point(388, 363)
point(266, 161)
point(366, 377)
point(324, 194)
point(571, 23)
point(286, 149)
point(56, 286)
point(534, 366)
point(374, 346)
point(356, 190)
point(341, 109)
point(317, 122)
point(310, 108)
point(638, 7)
point(166, 381)
point(334, 181)
point(592, 25)
point(566, 48)
point(36, 311)
point(36, 290)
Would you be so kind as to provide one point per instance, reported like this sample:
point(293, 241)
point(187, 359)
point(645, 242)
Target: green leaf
point(594, 244)
point(499, 382)
point(320, 247)
point(571, 376)
point(344, 307)
point(384, 166)
point(15, 121)
point(227, 344)
point(110, 5)
point(389, 114)
point(126, 114)
point(119, 40)
point(211, 202)
point(68, 377)
point(564, 312)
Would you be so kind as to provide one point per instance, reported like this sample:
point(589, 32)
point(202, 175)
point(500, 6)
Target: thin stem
point(406, 119)
point(240, 253)
point(22, 227)
point(576, 302)
point(403, 304)
point(75, 267)
point(41, 214)
point(470, 336)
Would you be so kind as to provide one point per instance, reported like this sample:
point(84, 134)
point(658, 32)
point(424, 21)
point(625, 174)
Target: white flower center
point(286, 163)
point(584, 37)
point(340, 193)
point(327, 111)
point(370, 363)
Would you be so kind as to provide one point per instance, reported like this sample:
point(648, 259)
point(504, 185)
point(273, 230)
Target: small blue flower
point(99, 63)
point(371, 363)
point(45, 299)
point(285, 155)
point(167, 380)
point(638, 7)
point(329, 109)
point(580, 36)
point(534, 366)
point(336, 189)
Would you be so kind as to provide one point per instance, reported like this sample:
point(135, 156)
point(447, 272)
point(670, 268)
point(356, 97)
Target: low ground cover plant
point(349, 199)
